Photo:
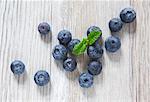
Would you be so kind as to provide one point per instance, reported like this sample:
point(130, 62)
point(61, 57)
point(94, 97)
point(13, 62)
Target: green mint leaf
point(93, 36)
point(81, 47)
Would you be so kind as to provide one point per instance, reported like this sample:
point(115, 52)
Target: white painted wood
point(125, 74)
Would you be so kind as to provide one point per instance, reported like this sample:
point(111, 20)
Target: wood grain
point(125, 75)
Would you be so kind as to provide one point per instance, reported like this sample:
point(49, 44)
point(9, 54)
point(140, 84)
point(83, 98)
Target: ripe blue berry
point(98, 46)
point(17, 67)
point(59, 52)
point(94, 67)
point(86, 80)
point(70, 64)
point(112, 44)
point(94, 53)
point(128, 15)
point(72, 43)
point(115, 25)
point(44, 28)
point(64, 37)
point(93, 28)
point(41, 78)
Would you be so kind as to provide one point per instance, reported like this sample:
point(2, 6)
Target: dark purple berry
point(115, 25)
point(94, 67)
point(70, 64)
point(112, 44)
point(59, 52)
point(41, 78)
point(94, 53)
point(44, 28)
point(64, 37)
point(86, 80)
point(93, 28)
point(17, 67)
point(128, 15)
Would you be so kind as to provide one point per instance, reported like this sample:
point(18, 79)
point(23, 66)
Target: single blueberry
point(70, 64)
point(41, 78)
point(44, 28)
point(72, 43)
point(86, 80)
point(115, 24)
point(128, 15)
point(64, 37)
point(17, 67)
point(112, 44)
point(94, 67)
point(98, 46)
point(94, 53)
point(59, 52)
point(93, 28)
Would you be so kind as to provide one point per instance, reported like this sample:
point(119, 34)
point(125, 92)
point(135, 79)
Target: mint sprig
point(93, 36)
point(82, 46)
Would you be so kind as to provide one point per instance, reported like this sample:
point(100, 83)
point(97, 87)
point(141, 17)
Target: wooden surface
point(125, 76)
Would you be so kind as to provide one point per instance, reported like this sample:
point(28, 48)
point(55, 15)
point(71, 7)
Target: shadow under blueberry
point(98, 79)
point(89, 92)
point(102, 60)
point(133, 26)
point(59, 65)
point(122, 32)
point(83, 60)
point(72, 75)
point(127, 28)
point(21, 78)
point(45, 90)
point(115, 56)
point(47, 38)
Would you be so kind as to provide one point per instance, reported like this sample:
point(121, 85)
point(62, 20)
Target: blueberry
point(93, 28)
point(115, 24)
point(128, 15)
point(98, 46)
point(44, 28)
point(64, 37)
point(94, 67)
point(94, 53)
point(17, 67)
point(112, 44)
point(86, 80)
point(70, 64)
point(59, 52)
point(72, 43)
point(41, 78)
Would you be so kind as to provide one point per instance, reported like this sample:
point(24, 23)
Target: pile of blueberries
point(62, 52)
point(95, 51)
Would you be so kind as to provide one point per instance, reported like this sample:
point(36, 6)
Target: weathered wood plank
point(125, 75)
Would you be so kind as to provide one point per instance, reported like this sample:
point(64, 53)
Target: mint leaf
point(81, 47)
point(93, 36)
